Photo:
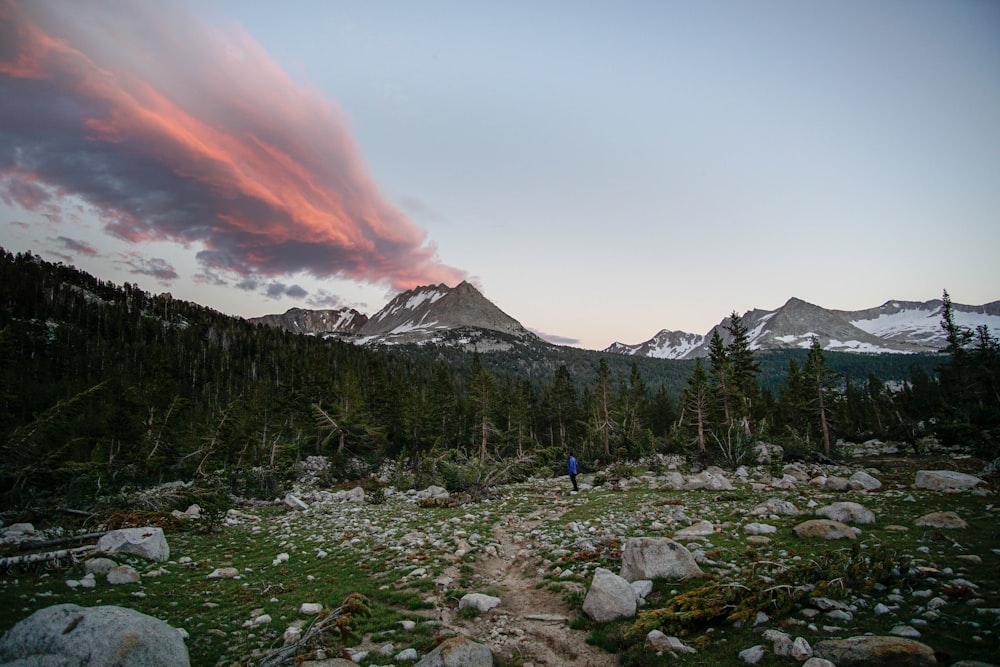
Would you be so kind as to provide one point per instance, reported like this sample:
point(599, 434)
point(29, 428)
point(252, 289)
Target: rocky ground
point(535, 547)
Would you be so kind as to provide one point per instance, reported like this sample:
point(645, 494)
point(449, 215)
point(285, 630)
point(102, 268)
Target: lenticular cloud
point(176, 131)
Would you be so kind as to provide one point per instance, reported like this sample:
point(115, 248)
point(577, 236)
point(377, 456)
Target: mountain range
point(461, 316)
point(895, 327)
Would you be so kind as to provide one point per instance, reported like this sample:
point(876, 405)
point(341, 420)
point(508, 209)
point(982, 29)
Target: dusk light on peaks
point(600, 171)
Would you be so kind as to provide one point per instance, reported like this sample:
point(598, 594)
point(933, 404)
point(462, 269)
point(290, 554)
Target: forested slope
point(102, 385)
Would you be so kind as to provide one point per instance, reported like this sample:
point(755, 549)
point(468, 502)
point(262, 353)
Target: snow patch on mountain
point(895, 327)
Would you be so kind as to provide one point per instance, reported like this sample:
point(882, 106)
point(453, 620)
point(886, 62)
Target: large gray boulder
point(70, 635)
point(458, 652)
point(657, 558)
point(862, 481)
point(942, 480)
point(147, 542)
point(875, 650)
point(847, 512)
point(826, 529)
point(478, 601)
point(610, 597)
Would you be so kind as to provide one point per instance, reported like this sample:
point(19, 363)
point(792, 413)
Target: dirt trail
point(532, 622)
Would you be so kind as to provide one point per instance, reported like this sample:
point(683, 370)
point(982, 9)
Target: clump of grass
point(772, 588)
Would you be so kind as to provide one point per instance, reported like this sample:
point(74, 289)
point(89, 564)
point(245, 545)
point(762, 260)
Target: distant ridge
point(895, 327)
point(462, 317)
point(457, 316)
point(316, 322)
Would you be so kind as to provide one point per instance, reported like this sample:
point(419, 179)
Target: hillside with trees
point(105, 385)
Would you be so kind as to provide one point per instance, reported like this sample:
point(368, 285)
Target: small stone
point(826, 529)
point(801, 649)
point(310, 608)
point(224, 573)
point(123, 574)
point(752, 655)
point(941, 520)
point(817, 662)
point(407, 654)
point(905, 631)
point(478, 601)
point(759, 529)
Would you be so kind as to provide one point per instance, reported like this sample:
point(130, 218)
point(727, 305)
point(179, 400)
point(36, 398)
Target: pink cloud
point(177, 131)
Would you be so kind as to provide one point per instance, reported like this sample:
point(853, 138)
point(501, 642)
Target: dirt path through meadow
point(532, 622)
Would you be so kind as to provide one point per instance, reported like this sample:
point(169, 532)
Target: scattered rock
point(826, 529)
point(642, 588)
point(941, 520)
point(293, 502)
point(781, 642)
point(433, 493)
point(905, 631)
point(801, 649)
point(478, 601)
point(713, 478)
point(123, 574)
point(834, 483)
point(752, 655)
point(797, 471)
point(759, 529)
point(700, 529)
point(775, 506)
point(99, 566)
point(847, 512)
point(657, 558)
point(147, 542)
point(869, 650)
point(310, 608)
point(610, 597)
point(406, 655)
point(862, 481)
point(458, 652)
point(941, 480)
point(658, 641)
point(68, 634)
point(817, 662)
point(224, 573)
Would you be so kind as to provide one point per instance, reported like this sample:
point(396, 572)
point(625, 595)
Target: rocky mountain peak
point(418, 314)
point(316, 322)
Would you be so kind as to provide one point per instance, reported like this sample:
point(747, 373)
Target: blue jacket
point(572, 465)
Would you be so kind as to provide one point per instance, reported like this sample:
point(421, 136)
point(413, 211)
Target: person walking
point(571, 469)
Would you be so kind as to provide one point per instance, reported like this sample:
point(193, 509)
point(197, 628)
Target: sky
point(599, 170)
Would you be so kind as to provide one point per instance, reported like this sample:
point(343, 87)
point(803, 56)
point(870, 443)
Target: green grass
point(214, 611)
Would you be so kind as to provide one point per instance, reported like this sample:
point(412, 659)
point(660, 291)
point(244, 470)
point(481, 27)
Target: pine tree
point(561, 408)
point(482, 392)
point(632, 406)
point(745, 366)
point(697, 402)
point(721, 375)
point(957, 338)
point(602, 422)
point(819, 382)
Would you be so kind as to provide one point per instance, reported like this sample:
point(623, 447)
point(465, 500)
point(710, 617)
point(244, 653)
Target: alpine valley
point(462, 317)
